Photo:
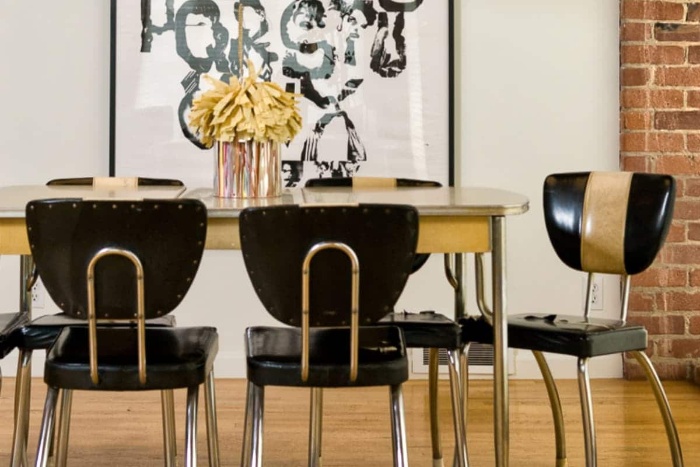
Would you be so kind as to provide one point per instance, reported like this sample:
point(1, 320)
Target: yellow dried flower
point(247, 109)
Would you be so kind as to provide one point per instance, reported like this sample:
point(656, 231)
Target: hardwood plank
point(125, 429)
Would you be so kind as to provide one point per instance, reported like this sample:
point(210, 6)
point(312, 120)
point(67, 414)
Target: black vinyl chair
point(422, 330)
point(10, 326)
point(39, 333)
point(597, 222)
point(354, 262)
point(123, 262)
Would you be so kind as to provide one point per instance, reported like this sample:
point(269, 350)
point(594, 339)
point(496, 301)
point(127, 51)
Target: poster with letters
point(372, 76)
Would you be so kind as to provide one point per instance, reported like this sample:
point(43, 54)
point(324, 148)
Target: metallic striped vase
point(247, 169)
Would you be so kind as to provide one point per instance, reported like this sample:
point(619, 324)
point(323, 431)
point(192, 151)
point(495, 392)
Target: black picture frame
point(120, 134)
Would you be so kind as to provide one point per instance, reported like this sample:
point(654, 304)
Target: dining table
point(455, 221)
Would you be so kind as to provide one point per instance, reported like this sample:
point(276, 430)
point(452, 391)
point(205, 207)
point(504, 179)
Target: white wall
point(538, 94)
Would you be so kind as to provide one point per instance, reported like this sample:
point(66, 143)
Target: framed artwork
point(374, 79)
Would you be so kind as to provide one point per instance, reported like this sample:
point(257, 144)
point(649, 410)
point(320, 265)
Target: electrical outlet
point(38, 295)
point(596, 293)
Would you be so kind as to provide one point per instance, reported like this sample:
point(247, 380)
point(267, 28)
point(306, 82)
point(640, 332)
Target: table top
point(429, 201)
point(442, 201)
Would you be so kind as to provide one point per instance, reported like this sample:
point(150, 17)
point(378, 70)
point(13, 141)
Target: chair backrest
point(370, 182)
point(608, 222)
point(275, 240)
point(378, 182)
point(166, 235)
point(114, 181)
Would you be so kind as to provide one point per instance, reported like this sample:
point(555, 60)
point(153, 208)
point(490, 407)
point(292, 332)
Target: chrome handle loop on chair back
point(354, 306)
point(140, 310)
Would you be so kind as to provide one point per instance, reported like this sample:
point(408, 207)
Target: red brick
point(685, 348)
point(636, 120)
point(693, 98)
point(677, 120)
point(692, 187)
point(657, 55)
point(683, 301)
point(675, 32)
point(634, 163)
point(644, 301)
point(694, 324)
point(662, 346)
point(675, 165)
point(634, 76)
point(687, 209)
point(661, 324)
point(694, 277)
point(652, 99)
point(693, 12)
point(694, 231)
point(683, 254)
point(652, 10)
point(694, 54)
point(678, 76)
point(652, 142)
point(693, 143)
point(676, 234)
point(680, 185)
point(661, 277)
point(635, 32)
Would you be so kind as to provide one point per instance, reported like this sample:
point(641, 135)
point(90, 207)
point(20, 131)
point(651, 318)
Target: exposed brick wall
point(660, 132)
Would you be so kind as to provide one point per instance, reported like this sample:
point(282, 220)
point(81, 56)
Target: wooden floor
point(124, 428)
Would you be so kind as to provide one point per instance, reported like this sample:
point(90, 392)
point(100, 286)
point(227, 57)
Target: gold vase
point(247, 169)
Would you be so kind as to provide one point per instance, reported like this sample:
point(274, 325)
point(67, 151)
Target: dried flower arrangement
point(245, 108)
point(249, 109)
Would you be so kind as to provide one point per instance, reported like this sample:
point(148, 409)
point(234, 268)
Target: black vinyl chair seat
point(562, 334)
point(274, 357)
point(41, 332)
point(177, 358)
point(10, 326)
point(426, 329)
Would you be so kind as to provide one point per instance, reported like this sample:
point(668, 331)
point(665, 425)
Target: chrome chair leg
point(256, 435)
point(398, 425)
point(167, 403)
point(47, 427)
point(212, 427)
point(584, 387)
point(464, 385)
point(664, 407)
point(436, 442)
point(247, 448)
point(315, 427)
point(63, 427)
point(191, 427)
point(455, 359)
point(557, 413)
point(22, 398)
